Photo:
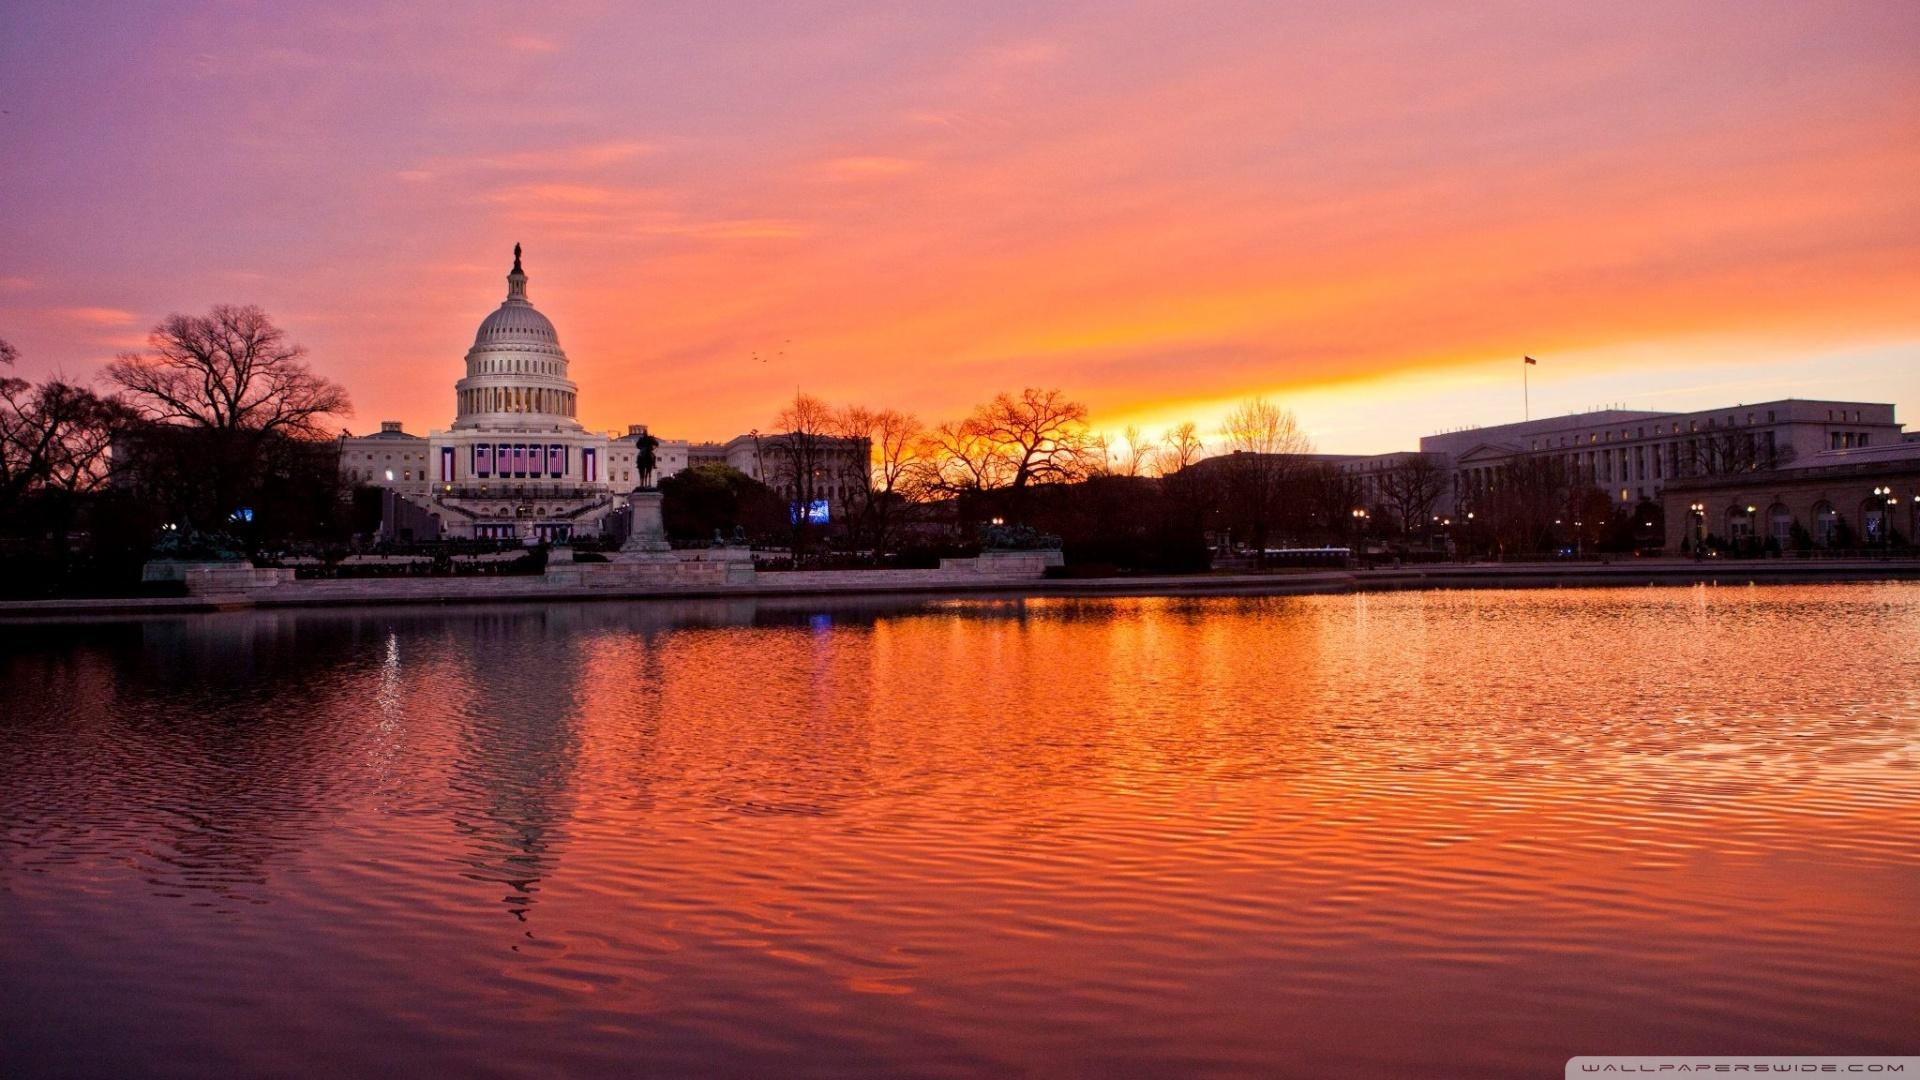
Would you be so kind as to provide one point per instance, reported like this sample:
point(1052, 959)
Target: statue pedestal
point(647, 537)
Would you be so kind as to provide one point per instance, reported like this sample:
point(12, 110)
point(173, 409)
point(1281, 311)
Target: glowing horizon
point(1367, 217)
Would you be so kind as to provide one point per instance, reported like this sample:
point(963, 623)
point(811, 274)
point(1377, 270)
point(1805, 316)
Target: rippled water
point(1468, 832)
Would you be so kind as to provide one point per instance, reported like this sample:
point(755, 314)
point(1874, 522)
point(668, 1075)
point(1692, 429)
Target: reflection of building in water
point(518, 750)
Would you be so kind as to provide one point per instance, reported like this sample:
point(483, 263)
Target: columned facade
point(517, 464)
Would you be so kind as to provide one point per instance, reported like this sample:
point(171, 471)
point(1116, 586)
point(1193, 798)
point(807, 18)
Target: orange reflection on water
point(1356, 834)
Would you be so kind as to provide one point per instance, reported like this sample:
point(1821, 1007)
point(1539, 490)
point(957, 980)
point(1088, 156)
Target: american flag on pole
point(1530, 360)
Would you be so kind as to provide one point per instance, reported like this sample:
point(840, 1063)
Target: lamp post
point(1885, 494)
point(1699, 511)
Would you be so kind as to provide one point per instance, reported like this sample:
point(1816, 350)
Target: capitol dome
point(516, 322)
point(516, 370)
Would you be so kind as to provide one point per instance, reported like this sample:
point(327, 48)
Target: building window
point(1739, 524)
point(1780, 526)
point(1873, 523)
point(1826, 521)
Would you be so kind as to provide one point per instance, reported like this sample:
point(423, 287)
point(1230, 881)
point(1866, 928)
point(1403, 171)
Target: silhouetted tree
point(229, 370)
point(961, 457)
point(879, 488)
point(231, 407)
point(54, 438)
point(1727, 451)
point(1179, 448)
point(1264, 466)
point(697, 502)
point(54, 444)
point(1041, 433)
point(1130, 455)
point(798, 461)
point(55, 441)
point(1411, 485)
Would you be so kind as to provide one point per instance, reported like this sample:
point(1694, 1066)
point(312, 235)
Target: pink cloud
point(96, 316)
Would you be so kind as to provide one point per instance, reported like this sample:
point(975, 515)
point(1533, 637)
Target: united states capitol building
point(517, 464)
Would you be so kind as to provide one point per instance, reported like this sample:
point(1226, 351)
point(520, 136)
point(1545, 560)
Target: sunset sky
point(1368, 212)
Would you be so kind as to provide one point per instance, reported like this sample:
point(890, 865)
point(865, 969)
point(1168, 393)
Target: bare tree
point(1100, 458)
point(961, 456)
point(18, 460)
point(54, 449)
point(1728, 452)
point(1519, 508)
point(1130, 455)
point(230, 404)
point(1041, 433)
point(1180, 447)
point(1268, 456)
point(53, 437)
point(798, 461)
point(1329, 495)
point(229, 370)
point(1411, 485)
point(886, 478)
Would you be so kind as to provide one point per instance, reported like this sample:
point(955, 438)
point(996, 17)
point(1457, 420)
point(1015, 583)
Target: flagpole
point(1526, 398)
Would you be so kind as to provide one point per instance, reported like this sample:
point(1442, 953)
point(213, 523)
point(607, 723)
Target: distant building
point(516, 464)
point(1783, 457)
point(1855, 498)
point(1634, 455)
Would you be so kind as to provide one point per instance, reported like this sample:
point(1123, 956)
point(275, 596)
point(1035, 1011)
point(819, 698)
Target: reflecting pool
point(1468, 832)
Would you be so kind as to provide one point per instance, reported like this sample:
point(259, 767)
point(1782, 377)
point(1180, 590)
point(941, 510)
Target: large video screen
point(816, 512)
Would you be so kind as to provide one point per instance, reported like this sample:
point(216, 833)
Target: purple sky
point(1365, 211)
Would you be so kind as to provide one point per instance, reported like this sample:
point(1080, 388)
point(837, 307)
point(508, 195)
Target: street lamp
point(1885, 494)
